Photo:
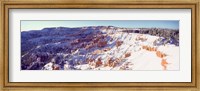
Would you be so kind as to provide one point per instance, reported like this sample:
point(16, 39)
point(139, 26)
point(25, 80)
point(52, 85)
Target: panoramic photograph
point(137, 45)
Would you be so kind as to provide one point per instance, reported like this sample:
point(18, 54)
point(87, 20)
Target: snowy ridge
point(100, 48)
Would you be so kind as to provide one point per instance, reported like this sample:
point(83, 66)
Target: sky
point(27, 25)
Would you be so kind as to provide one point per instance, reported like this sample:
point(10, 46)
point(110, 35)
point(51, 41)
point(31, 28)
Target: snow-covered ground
point(100, 48)
point(138, 57)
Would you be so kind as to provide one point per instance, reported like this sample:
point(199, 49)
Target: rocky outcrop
point(64, 48)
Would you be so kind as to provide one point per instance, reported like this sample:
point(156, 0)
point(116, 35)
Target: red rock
point(106, 49)
point(114, 64)
point(164, 64)
point(98, 63)
point(118, 43)
point(97, 52)
point(108, 62)
point(160, 54)
point(89, 46)
point(127, 55)
point(102, 43)
point(56, 67)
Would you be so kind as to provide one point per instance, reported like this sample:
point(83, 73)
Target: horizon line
point(38, 25)
point(100, 26)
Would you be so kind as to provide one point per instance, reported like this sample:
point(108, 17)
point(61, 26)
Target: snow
point(146, 60)
point(38, 47)
point(140, 59)
point(48, 66)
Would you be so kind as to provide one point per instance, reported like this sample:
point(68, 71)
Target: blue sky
point(40, 24)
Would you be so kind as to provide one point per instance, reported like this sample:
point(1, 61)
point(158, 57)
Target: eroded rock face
point(118, 43)
point(68, 47)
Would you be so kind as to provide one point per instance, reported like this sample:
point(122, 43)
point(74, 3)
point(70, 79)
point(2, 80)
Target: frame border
point(6, 5)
